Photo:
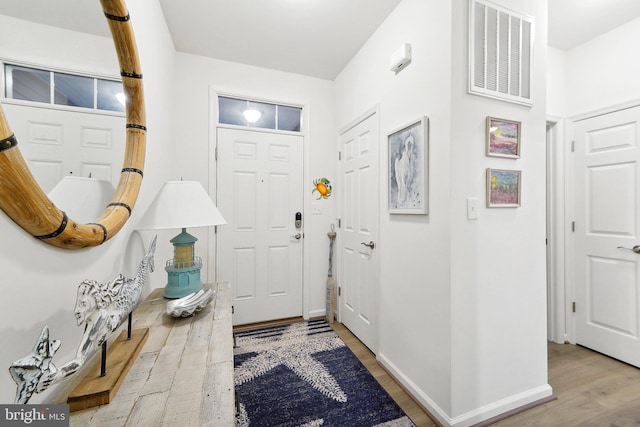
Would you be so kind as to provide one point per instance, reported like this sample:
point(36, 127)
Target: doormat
point(303, 374)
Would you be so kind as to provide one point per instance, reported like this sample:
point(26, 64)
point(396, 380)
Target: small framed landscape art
point(408, 168)
point(503, 138)
point(503, 188)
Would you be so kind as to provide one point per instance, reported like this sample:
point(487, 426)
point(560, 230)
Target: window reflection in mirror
point(76, 91)
point(56, 136)
point(32, 84)
point(110, 96)
point(27, 84)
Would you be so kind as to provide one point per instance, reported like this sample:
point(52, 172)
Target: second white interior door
point(607, 209)
point(358, 277)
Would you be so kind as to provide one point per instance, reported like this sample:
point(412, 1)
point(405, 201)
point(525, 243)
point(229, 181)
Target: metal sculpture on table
point(27, 371)
point(101, 308)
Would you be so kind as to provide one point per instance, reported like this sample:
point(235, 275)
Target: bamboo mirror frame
point(21, 197)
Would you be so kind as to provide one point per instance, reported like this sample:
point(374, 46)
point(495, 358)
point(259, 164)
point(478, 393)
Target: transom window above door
point(256, 114)
point(65, 89)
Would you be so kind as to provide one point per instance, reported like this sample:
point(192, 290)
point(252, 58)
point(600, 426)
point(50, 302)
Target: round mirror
point(22, 198)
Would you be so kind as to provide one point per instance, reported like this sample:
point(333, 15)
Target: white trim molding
point(475, 416)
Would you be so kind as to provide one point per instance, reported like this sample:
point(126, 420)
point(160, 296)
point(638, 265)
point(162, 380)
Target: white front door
point(358, 277)
point(607, 213)
point(260, 192)
point(58, 142)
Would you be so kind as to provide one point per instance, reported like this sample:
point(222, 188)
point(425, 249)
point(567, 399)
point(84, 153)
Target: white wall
point(556, 82)
point(27, 42)
point(39, 282)
point(198, 79)
point(604, 71)
point(463, 303)
point(498, 268)
point(414, 311)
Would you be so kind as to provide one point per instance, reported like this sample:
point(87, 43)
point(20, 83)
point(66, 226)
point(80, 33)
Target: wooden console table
point(183, 374)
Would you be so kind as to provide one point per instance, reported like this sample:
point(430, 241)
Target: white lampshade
point(181, 204)
point(82, 199)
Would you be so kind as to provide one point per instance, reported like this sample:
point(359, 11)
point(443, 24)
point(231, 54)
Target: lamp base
point(176, 291)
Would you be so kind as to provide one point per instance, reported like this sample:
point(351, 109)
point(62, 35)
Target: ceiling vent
point(500, 52)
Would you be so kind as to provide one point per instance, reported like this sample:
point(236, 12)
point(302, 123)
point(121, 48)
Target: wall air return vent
point(500, 52)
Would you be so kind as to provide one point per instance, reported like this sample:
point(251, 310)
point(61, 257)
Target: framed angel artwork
point(408, 168)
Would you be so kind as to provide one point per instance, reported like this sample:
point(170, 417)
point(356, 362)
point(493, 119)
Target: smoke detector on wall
point(400, 58)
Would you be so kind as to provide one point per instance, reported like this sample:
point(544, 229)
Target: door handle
point(370, 245)
point(296, 236)
point(635, 249)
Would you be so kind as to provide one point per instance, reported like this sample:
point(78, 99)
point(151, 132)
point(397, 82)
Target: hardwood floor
point(419, 417)
point(591, 390)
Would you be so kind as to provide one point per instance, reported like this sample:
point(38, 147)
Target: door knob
point(297, 236)
point(635, 249)
point(370, 245)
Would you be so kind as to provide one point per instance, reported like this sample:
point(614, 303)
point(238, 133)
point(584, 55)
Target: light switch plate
point(472, 208)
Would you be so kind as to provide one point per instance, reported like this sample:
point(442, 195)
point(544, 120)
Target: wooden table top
point(183, 374)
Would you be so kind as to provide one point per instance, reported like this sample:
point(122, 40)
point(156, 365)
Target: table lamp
point(182, 204)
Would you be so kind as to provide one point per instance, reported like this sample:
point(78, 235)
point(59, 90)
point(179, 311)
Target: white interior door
point(58, 142)
point(358, 255)
point(260, 249)
point(606, 209)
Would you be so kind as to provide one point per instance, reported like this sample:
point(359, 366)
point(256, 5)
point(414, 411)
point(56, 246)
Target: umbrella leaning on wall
point(331, 283)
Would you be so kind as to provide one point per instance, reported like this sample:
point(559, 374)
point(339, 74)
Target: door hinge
point(573, 146)
point(216, 153)
point(339, 291)
point(339, 222)
point(339, 155)
point(573, 306)
point(573, 226)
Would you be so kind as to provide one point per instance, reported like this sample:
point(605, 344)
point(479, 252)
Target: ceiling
point(311, 37)
point(573, 22)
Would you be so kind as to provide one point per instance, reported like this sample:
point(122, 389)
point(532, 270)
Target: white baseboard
point(316, 313)
point(502, 406)
point(472, 417)
point(435, 411)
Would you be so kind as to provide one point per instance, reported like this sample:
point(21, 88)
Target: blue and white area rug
point(303, 374)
